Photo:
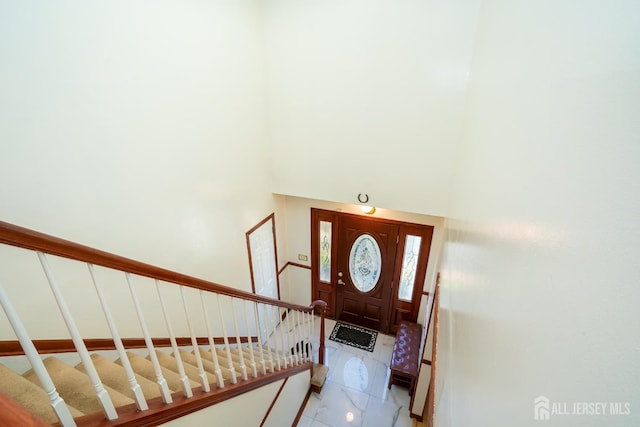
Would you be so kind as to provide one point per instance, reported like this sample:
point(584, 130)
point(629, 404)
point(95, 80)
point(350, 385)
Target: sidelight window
point(325, 251)
point(409, 266)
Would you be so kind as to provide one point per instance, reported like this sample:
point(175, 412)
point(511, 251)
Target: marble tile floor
point(355, 393)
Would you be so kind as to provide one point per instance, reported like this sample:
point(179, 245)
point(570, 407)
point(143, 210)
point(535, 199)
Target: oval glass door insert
point(365, 262)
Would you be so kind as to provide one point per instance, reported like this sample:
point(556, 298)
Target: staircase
point(202, 343)
point(75, 388)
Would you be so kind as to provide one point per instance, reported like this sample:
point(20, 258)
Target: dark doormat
point(354, 336)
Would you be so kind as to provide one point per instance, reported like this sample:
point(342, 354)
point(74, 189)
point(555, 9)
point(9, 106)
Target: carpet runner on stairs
point(29, 395)
point(191, 371)
point(144, 367)
point(75, 387)
point(115, 377)
point(222, 358)
point(207, 363)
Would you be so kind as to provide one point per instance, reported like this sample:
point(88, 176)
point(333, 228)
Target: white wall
point(141, 128)
point(366, 97)
point(249, 409)
point(289, 401)
point(138, 128)
point(295, 285)
point(540, 277)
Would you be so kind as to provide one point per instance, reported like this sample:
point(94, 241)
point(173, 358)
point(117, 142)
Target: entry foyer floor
point(355, 393)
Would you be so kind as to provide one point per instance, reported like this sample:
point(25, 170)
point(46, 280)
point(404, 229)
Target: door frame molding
point(327, 291)
point(272, 218)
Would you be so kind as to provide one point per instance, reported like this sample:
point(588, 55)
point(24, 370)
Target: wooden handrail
point(20, 237)
point(14, 414)
point(25, 238)
point(53, 346)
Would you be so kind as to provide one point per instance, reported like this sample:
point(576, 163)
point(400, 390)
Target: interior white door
point(264, 270)
point(262, 248)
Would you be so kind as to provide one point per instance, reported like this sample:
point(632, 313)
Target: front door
point(365, 264)
point(370, 271)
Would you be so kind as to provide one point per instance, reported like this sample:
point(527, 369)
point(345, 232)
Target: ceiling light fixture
point(368, 210)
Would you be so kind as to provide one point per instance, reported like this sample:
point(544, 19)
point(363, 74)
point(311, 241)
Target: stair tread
point(145, 368)
point(114, 375)
point(75, 387)
point(235, 356)
point(30, 395)
point(170, 362)
point(222, 358)
point(207, 364)
point(319, 374)
point(256, 355)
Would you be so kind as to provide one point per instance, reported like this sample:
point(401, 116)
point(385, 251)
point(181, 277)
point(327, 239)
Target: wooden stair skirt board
point(75, 387)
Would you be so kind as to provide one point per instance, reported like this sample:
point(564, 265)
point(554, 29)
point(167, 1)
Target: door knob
point(340, 282)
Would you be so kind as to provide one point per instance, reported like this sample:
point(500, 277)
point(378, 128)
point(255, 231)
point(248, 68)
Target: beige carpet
point(191, 371)
point(115, 377)
point(29, 395)
point(207, 363)
point(75, 387)
point(222, 357)
point(145, 368)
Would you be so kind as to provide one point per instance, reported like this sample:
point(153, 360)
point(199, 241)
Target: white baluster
point(184, 380)
point(301, 335)
point(292, 345)
point(271, 332)
point(277, 337)
point(141, 403)
point(101, 393)
point(252, 359)
point(243, 367)
point(194, 343)
point(298, 335)
point(259, 333)
point(212, 344)
point(292, 333)
point(162, 382)
point(310, 334)
point(313, 329)
point(227, 347)
point(305, 330)
point(57, 403)
point(283, 338)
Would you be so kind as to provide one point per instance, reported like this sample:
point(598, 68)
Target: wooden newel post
point(321, 348)
point(323, 309)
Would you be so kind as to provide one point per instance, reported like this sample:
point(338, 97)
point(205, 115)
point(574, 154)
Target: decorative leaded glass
point(409, 265)
point(325, 251)
point(365, 263)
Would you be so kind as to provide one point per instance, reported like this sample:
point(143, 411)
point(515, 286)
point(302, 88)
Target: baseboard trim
point(273, 402)
point(293, 264)
point(301, 410)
